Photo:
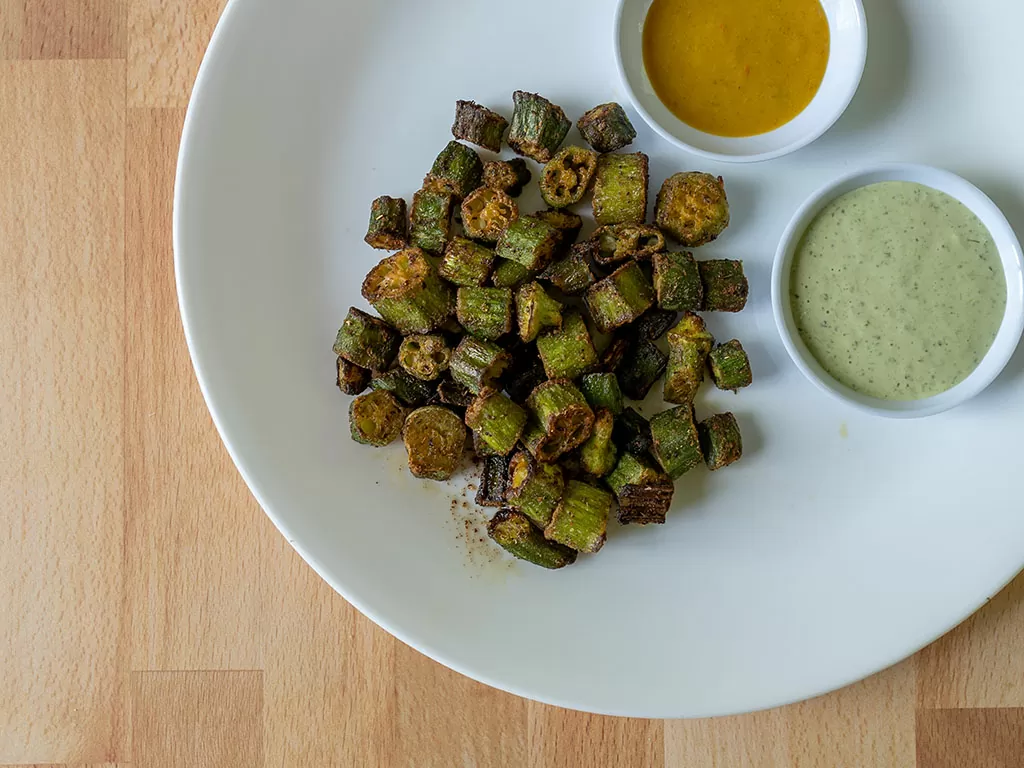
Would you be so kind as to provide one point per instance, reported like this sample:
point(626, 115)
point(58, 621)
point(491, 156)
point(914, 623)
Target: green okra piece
point(620, 242)
point(466, 262)
point(389, 227)
point(675, 442)
point(567, 352)
point(642, 365)
point(538, 126)
point(434, 441)
point(620, 298)
point(375, 418)
point(720, 440)
point(601, 391)
point(677, 282)
point(692, 208)
point(424, 356)
point(430, 220)
point(567, 176)
point(597, 455)
point(529, 241)
point(561, 419)
point(408, 389)
point(730, 367)
point(508, 176)
point(365, 341)
point(514, 533)
point(580, 521)
point(510, 274)
point(487, 212)
point(725, 285)
point(493, 489)
point(632, 433)
point(535, 310)
point(525, 372)
point(688, 346)
point(352, 379)
point(478, 364)
point(484, 312)
point(606, 127)
point(478, 125)
point(451, 392)
point(654, 324)
point(457, 168)
point(497, 420)
point(481, 448)
point(620, 189)
point(407, 291)
point(566, 222)
point(534, 488)
point(643, 491)
point(571, 275)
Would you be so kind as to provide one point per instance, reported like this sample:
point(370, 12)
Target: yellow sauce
point(736, 67)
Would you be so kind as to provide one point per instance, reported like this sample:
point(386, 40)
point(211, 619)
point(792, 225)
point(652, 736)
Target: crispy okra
point(481, 449)
point(601, 391)
point(730, 367)
point(675, 442)
point(484, 312)
point(571, 274)
point(616, 351)
point(580, 521)
point(497, 420)
point(619, 242)
point(534, 488)
point(457, 168)
point(375, 418)
point(365, 341)
point(620, 298)
point(430, 220)
point(434, 441)
point(654, 324)
point(486, 212)
point(567, 176)
point(352, 379)
point(525, 372)
point(620, 189)
point(644, 492)
point(561, 419)
point(513, 532)
point(720, 440)
point(452, 393)
point(493, 488)
point(478, 364)
point(535, 311)
point(677, 282)
point(538, 126)
point(567, 352)
point(424, 356)
point(692, 208)
point(510, 274)
point(466, 262)
point(688, 346)
point(389, 226)
point(567, 223)
point(508, 176)
point(597, 455)
point(407, 388)
point(606, 127)
point(725, 285)
point(529, 241)
point(632, 433)
point(478, 125)
point(641, 366)
point(407, 291)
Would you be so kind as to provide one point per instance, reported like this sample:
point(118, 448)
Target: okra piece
point(619, 242)
point(597, 455)
point(567, 352)
point(534, 488)
point(620, 189)
point(571, 275)
point(478, 125)
point(408, 389)
point(486, 212)
point(567, 176)
point(620, 298)
point(677, 282)
point(632, 433)
point(567, 223)
point(510, 274)
point(535, 310)
point(580, 521)
point(457, 168)
point(434, 441)
point(466, 262)
point(641, 367)
point(675, 442)
point(478, 364)
point(375, 418)
point(407, 291)
point(720, 440)
point(692, 208)
point(365, 341)
point(654, 324)
point(497, 420)
point(616, 351)
point(493, 482)
point(725, 285)
point(529, 241)
point(424, 357)
point(644, 492)
point(431, 218)
point(508, 176)
point(538, 126)
point(514, 533)
point(352, 379)
point(525, 373)
point(730, 367)
point(450, 392)
point(601, 391)
point(480, 448)
point(388, 224)
point(561, 421)
point(485, 312)
point(688, 346)
point(606, 127)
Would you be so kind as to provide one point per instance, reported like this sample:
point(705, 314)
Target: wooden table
point(150, 615)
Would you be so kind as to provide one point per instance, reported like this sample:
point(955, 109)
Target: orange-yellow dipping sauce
point(736, 67)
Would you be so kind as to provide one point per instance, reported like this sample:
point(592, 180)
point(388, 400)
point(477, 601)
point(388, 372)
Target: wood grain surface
point(150, 615)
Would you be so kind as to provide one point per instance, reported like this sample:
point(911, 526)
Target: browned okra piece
point(720, 440)
point(692, 208)
point(619, 242)
point(620, 298)
point(567, 223)
point(375, 418)
point(725, 285)
point(644, 492)
point(478, 364)
point(571, 274)
point(620, 189)
point(466, 262)
point(509, 176)
point(730, 367)
point(424, 356)
point(486, 212)
point(352, 379)
point(434, 441)
point(478, 125)
point(538, 126)
point(389, 226)
point(431, 218)
point(365, 341)
point(606, 127)
point(567, 176)
point(407, 291)
point(514, 533)
point(561, 419)
point(493, 488)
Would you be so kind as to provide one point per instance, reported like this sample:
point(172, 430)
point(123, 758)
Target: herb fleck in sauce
point(897, 290)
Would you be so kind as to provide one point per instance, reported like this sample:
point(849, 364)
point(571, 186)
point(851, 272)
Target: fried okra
point(478, 125)
point(606, 127)
point(538, 126)
point(692, 208)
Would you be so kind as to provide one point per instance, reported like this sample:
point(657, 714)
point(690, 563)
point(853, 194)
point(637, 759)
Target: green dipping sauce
point(897, 290)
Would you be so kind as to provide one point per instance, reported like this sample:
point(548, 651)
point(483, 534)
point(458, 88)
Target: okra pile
point(499, 332)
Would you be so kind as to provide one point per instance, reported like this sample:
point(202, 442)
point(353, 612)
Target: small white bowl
point(1013, 268)
point(848, 49)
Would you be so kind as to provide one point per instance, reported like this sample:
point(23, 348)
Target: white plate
point(839, 545)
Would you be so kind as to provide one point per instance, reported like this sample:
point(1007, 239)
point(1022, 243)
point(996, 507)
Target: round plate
point(840, 544)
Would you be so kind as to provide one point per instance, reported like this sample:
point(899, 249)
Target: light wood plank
point(61, 420)
point(978, 738)
point(62, 29)
point(559, 737)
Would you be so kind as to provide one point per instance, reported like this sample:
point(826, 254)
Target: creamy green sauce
point(897, 290)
